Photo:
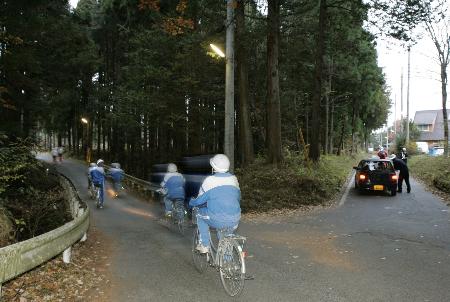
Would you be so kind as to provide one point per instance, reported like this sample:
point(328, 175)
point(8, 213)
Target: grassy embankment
point(295, 185)
point(433, 171)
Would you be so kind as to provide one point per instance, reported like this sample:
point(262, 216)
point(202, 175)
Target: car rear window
point(376, 166)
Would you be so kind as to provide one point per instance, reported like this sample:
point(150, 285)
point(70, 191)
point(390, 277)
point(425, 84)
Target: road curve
point(372, 248)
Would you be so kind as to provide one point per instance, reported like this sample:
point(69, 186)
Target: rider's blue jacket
point(221, 194)
point(173, 183)
point(98, 175)
point(116, 174)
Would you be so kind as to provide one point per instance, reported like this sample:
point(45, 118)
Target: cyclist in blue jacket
point(98, 179)
point(173, 186)
point(218, 201)
point(117, 175)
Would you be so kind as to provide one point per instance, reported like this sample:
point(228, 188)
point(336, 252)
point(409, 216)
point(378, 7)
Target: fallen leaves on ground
point(86, 278)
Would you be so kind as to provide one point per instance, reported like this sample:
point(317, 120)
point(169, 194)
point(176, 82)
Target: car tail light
point(362, 177)
point(394, 177)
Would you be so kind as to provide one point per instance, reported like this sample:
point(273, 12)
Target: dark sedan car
point(376, 175)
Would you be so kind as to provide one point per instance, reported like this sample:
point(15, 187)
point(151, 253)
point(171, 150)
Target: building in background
point(431, 126)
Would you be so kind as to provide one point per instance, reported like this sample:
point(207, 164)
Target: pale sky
point(425, 85)
point(73, 3)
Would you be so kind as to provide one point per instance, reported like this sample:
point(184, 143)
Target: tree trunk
point(444, 105)
point(320, 50)
point(245, 129)
point(273, 85)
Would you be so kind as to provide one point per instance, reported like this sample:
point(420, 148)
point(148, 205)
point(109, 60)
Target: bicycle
point(117, 188)
point(178, 216)
point(98, 203)
point(92, 191)
point(228, 258)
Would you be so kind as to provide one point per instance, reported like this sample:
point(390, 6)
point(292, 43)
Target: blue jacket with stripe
point(221, 194)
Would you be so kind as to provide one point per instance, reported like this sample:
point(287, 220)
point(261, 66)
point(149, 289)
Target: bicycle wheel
point(232, 266)
point(97, 197)
point(200, 260)
point(180, 218)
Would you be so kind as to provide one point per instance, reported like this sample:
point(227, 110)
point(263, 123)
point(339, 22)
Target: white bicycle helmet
point(392, 156)
point(92, 165)
point(220, 163)
point(115, 165)
point(100, 162)
point(171, 168)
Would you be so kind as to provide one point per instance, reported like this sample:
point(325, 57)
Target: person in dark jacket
point(404, 155)
point(404, 173)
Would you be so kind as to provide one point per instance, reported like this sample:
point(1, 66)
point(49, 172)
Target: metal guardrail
point(21, 257)
point(145, 188)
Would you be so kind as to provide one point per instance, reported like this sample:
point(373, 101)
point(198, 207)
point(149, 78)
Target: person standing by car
point(382, 154)
point(404, 155)
point(404, 173)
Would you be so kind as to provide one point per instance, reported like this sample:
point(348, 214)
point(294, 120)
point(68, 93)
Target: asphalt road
point(371, 248)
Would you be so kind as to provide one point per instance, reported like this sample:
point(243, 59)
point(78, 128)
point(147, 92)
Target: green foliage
point(32, 198)
point(400, 140)
point(433, 170)
point(294, 185)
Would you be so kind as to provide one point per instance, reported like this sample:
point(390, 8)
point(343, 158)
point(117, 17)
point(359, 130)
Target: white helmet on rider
point(404, 149)
point(220, 163)
point(392, 156)
point(115, 165)
point(100, 162)
point(92, 165)
point(172, 168)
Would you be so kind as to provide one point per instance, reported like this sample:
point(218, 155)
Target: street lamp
point(87, 148)
point(217, 50)
point(228, 142)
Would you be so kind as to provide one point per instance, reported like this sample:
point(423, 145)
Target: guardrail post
point(67, 254)
point(84, 238)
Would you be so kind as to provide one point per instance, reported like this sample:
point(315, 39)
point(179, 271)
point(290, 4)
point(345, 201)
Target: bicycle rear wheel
point(232, 266)
point(200, 260)
point(179, 217)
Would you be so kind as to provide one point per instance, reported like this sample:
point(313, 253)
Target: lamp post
point(87, 149)
point(228, 143)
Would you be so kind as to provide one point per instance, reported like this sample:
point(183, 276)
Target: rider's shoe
point(202, 249)
point(168, 214)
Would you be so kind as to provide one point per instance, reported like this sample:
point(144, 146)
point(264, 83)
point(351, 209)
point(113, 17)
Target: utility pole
point(401, 102)
point(407, 96)
point(395, 115)
point(229, 85)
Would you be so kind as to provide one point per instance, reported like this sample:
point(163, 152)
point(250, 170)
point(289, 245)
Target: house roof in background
point(425, 117)
point(429, 117)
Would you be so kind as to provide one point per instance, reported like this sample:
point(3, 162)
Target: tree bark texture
point(273, 85)
point(320, 50)
point(245, 129)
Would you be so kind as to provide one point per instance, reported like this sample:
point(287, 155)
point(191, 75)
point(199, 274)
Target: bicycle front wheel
point(200, 260)
point(232, 266)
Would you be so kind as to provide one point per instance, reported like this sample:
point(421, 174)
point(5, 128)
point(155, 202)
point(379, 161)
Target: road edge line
point(347, 189)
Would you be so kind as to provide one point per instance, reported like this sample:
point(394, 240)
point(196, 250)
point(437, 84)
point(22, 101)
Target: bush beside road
point(433, 171)
point(295, 184)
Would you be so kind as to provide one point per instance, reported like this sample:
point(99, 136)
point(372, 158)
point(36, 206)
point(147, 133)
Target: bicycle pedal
point(249, 277)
